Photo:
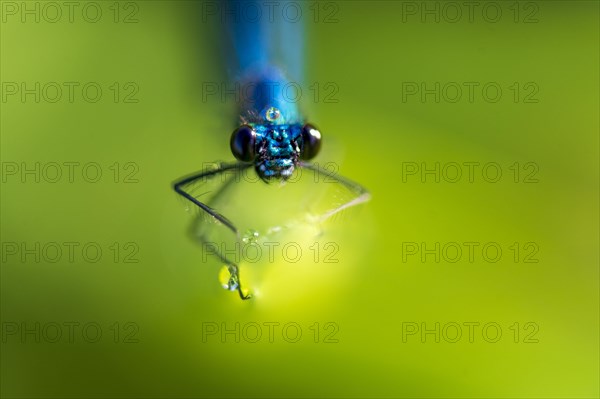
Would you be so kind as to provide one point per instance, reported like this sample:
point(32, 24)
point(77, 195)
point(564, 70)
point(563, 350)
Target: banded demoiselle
point(263, 55)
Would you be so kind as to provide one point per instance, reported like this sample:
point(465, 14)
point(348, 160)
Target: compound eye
point(311, 142)
point(242, 143)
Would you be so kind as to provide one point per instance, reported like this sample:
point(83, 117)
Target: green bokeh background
point(372, 292)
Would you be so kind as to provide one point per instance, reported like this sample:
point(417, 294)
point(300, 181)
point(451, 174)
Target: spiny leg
point(179, 188)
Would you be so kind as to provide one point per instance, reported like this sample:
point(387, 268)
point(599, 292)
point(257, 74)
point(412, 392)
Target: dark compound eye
point(242, 143)
point(311, 142)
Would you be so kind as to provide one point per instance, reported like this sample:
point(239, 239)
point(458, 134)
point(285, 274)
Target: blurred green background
point(161, 319)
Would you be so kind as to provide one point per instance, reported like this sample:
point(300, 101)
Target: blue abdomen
point(269, 90)
point(267, 61)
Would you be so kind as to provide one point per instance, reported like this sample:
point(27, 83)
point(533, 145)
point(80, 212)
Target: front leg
point(180, 187)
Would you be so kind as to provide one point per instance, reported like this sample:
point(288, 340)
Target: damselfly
point(273, 138)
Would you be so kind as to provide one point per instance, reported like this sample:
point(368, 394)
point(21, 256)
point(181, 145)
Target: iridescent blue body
point(263, 46)
point(265, 61)
point(278, 150)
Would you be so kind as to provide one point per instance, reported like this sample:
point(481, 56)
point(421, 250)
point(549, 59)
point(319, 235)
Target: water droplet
point(228, 280)
point(250, 236)
point(272, 114)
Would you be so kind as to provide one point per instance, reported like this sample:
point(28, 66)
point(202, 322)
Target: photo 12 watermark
point(264, 12)
point(469, 172)
point(451, 12)
point(69, 252)
point(324, 172)
point(270, 332)
point(271, 251)
point(471, 332)
point(253, 92)
point(469, 252)
point(126, 172)
point(69, 332)
point(69, 92)
point(70, 12)
point(470, 92)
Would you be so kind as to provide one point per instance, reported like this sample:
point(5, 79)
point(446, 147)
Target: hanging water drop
point(250, 236)
point(228, 280)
